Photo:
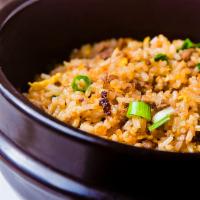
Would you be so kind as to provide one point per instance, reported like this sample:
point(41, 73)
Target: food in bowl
point(142, 93)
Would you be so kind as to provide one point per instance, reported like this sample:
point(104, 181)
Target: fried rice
point(122, 71)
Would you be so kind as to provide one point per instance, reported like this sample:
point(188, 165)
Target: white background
point(6, 192)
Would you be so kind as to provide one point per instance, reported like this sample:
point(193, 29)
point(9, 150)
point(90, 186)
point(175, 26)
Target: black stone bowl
point(43, 158)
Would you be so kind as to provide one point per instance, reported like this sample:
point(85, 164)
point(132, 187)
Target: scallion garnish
point(159, 123)
point(198, 66)
point(187, 44)
point(81, 83)
point(197, 45)
point(163, 113)
point(161, 117)
point(139, 108)
point(161, 56)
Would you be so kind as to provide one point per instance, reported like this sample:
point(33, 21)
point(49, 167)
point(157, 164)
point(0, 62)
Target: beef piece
point(104, 102)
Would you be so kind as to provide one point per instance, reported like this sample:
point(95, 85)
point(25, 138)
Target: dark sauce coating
point(105, 103)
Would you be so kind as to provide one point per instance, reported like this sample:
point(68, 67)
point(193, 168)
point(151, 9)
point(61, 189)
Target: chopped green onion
point(198, 66)
point(159, 123)
point(81, 83)
point(187, 44)
point(160, 118)
point(161, 56)
point(139, 108)
point(162, 114)
point(197, 45)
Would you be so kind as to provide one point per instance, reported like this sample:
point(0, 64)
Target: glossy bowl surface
point(35, 35)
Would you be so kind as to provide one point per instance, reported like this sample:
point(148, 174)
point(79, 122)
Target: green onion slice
point(197, 45)
point(187, 44)
point(159, 123)
point(139, 108)
point(162, 114)
point(198, 66)
point(161, 118)
point(81, 83)
point(161, 56)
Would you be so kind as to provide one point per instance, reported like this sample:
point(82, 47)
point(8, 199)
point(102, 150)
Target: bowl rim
point(14, 97)
point(41, 173)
